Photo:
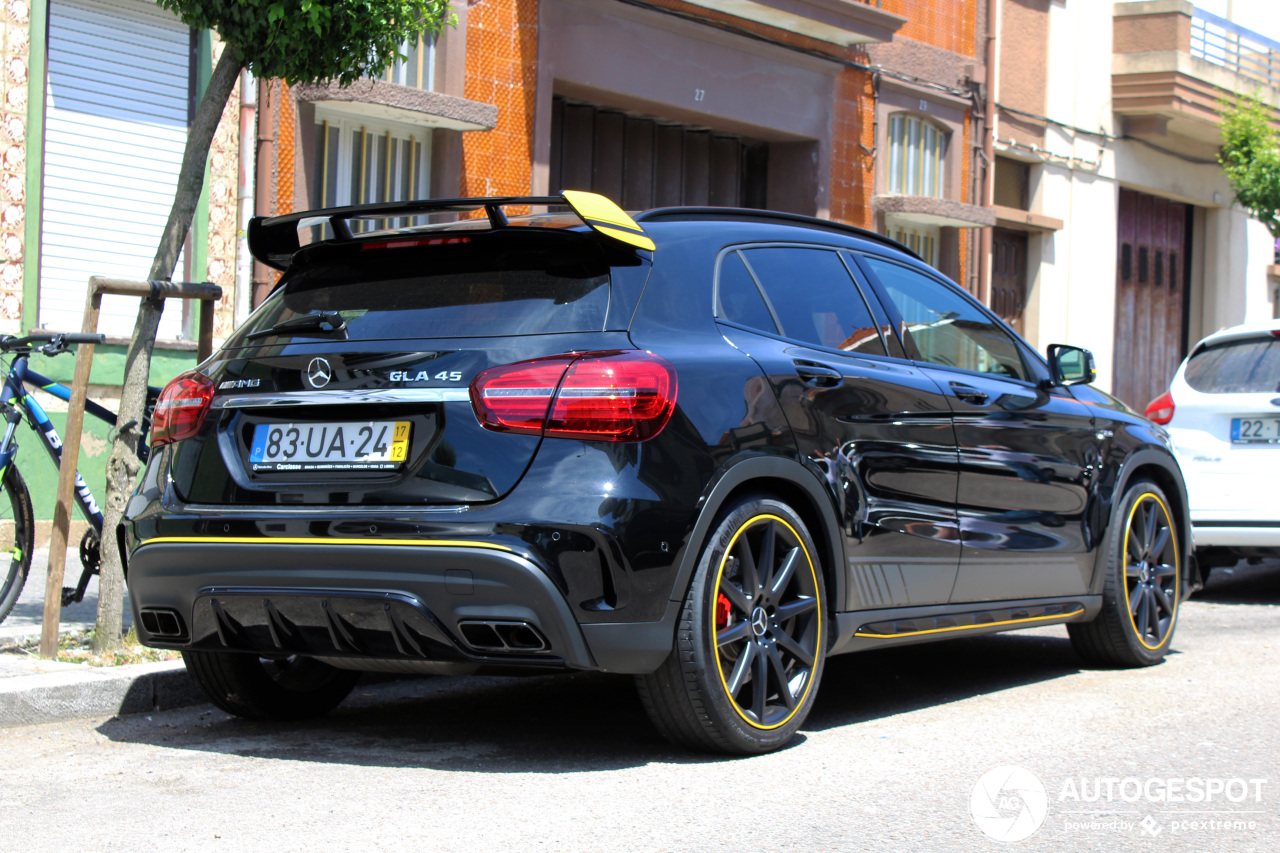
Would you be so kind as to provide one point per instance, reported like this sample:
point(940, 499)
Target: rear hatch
point(1226, 426)
point(350, 383)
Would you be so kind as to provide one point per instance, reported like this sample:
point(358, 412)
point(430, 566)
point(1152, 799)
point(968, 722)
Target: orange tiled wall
point(948, 24)
point(502, 56)
point(852, 168)
point(284, 151)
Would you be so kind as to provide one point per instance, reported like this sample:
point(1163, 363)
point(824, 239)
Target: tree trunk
point(123, 464)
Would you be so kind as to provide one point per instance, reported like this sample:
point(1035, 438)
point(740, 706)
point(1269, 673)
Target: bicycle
point(17, 522)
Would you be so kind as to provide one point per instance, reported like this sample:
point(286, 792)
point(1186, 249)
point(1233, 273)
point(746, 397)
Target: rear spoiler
point(273, 240)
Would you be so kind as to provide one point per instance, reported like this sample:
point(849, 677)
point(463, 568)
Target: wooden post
point(66, 482)
point(204, 339)
point(209, 294)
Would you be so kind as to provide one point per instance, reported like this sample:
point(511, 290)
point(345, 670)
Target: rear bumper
point(437, 601)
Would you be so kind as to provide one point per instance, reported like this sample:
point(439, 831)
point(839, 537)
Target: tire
point(749, 648)
point(17, 538)
point(255, 688)
point(1143, 587)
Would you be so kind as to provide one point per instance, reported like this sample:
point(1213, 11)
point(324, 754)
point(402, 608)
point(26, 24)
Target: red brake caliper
point(722, 611)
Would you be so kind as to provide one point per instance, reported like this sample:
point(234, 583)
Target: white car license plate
point(330, 446)
point(1259, 430)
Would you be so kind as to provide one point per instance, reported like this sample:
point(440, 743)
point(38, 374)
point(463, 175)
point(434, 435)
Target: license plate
point(1263, 430)
point(331, 446)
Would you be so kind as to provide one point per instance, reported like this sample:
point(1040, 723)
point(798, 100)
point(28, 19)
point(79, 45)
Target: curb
point(59, 692)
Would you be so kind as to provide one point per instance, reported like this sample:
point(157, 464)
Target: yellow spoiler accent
point(607, 218)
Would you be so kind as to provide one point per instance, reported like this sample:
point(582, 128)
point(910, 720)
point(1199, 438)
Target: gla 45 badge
point(424, 376)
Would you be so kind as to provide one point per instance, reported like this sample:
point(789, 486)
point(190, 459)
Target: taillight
point(181, 408)
point(1160, 409)
point(613, 396)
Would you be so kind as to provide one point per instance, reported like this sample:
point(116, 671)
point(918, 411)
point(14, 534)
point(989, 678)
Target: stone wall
point(223, 183)
point(14, 50)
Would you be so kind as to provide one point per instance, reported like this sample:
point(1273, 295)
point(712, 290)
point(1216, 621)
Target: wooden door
point(1009, 275)
point(1151, 293)
point(642, 162)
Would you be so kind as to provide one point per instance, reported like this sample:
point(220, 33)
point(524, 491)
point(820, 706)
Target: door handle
point(817, 375)
point(969, 394)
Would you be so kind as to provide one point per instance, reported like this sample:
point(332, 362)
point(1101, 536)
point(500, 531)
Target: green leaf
point(1250, 157)
point(306, 41)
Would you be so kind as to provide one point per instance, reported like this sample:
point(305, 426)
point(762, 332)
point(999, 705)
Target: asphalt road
point(888, 760)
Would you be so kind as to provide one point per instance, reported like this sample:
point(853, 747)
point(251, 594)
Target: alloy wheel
point(1151, 570)
point(768, 621)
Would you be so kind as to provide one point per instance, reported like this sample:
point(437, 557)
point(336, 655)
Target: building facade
point(1116, 227)
point(863, 112)
point(1056, 159)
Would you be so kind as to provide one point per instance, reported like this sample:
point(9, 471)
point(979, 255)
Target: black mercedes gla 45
point(706, 447)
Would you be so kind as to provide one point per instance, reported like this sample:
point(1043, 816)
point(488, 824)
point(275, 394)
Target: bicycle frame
point(21, 401)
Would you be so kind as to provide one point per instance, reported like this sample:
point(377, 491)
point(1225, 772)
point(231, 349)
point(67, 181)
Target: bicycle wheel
point(17, 538)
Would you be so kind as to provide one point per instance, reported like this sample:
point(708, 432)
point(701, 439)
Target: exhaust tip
point(503, 637)
point(163, 623)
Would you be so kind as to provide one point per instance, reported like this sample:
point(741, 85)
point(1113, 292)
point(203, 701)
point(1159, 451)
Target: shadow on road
point(1243, 584)
point(581, 722)
point(591, 722)
point(861, 687)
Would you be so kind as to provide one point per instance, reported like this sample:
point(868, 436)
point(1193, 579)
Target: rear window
point(1236, 367)
point(479, 290)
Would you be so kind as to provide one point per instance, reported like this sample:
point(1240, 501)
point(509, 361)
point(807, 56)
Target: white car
point(1222, 410)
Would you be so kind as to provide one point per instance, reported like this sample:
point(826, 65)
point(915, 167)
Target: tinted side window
point(945, 327)
point(1236, 367)
point(814, 298)
point(740, 298)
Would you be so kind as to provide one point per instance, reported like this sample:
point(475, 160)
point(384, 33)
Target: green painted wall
point(39, 35)
point(108, 369)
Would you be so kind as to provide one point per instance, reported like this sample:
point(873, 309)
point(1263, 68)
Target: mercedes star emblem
point(319, 372)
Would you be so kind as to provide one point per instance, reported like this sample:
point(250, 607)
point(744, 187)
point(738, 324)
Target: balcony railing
point(1245, 52)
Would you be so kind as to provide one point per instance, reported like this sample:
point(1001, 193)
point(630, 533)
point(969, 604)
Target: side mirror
point(1071, 365)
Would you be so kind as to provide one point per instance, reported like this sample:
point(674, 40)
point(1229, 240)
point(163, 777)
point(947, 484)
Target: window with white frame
point(361, 162)
point(917, 151)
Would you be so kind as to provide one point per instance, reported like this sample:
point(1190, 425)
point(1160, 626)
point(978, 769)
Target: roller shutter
point(116, 124)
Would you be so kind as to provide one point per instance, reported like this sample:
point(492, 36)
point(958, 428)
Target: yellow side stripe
point(283, 540)
point(970, 627)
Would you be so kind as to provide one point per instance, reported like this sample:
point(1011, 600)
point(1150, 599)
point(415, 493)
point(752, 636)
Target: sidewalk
point(25, 619)
point(40, 691)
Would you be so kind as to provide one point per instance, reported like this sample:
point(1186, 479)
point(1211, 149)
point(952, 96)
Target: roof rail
point(273, 240)
point(670, 214)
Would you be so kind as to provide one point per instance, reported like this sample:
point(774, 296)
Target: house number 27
point(699, 94)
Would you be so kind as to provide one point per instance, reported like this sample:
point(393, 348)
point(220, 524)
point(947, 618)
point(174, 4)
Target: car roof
point(767, 217)
point(1245, 331)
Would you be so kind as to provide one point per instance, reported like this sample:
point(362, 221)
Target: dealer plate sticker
point(330, 446)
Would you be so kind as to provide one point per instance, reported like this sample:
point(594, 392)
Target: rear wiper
point(323, 322)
